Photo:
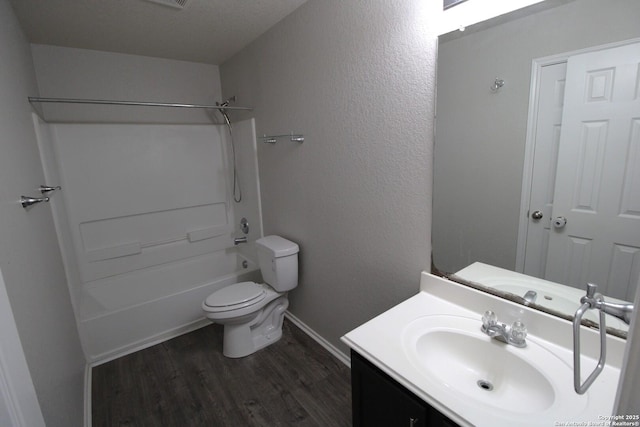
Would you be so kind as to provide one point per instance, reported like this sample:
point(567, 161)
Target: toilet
point(252, 313)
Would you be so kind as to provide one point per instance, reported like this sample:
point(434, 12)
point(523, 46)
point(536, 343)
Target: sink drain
point(485, 385)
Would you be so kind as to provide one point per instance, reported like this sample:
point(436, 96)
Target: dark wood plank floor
point(188, 382)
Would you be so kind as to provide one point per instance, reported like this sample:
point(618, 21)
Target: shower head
point(227, 102)
point(223, 111)
point(230, 99)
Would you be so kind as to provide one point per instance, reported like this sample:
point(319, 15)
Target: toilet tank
point(278, 260)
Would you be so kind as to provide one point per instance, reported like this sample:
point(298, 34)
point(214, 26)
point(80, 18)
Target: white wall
point(479, 152)
point(81, 73)
point(29, 256)
point(357, 79)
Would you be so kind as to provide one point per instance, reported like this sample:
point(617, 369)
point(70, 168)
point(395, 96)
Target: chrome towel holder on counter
point(27, 201)
point(272, 139)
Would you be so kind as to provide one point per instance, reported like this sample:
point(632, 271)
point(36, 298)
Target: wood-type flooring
point(187, 382)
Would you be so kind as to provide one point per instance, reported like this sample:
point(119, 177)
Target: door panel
point(598, 181)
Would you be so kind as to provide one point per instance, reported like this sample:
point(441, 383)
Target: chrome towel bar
point(594, 300)
point(272, 139)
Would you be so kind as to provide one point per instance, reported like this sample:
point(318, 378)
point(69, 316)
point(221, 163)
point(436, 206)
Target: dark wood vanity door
point(379, 401)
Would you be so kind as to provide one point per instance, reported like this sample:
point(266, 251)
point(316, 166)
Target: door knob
point(559, 222)
point(537, 215)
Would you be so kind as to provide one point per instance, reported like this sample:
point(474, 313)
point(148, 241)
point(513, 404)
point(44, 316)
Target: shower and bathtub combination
point(147, 217)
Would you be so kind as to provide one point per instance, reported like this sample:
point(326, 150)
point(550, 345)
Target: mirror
point(485, 166)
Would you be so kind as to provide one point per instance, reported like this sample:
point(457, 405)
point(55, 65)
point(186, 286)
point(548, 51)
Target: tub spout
point(238, 240)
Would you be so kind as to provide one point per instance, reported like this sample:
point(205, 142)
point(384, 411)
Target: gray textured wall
point(357, 78)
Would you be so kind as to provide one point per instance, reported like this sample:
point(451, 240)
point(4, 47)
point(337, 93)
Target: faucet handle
point(518, 332)
point(489, 318)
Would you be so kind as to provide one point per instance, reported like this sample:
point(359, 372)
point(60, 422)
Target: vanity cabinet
point(379, 401)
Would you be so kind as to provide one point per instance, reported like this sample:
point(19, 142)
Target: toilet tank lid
point(278, 246)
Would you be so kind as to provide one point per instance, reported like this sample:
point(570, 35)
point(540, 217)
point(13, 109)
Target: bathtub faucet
point(238, 240)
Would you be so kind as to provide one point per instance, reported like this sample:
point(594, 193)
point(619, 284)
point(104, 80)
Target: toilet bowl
point(252, 313)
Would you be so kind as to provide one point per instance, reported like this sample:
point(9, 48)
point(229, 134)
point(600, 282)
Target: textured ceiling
point(208, 31)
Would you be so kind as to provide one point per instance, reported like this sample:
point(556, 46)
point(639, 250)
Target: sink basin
point(455, 357)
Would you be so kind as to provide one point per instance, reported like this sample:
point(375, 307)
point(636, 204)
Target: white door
point(598, 180)
point(550, 97)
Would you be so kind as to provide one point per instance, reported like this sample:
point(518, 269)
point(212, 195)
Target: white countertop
point(381, 341)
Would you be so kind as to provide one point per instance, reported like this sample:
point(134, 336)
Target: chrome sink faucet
point(530, 296)
point(515, 334)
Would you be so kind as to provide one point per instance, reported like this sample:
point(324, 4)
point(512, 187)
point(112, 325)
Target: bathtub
point(125, 313)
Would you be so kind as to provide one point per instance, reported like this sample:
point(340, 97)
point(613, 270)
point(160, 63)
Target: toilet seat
point(234, 297)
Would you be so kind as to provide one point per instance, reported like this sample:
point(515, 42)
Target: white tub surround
point(146, 224)
point(387, 342)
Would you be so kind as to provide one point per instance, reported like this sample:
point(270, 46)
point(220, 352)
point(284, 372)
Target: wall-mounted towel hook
point(28, 201)
point(47, 189)
point(497, 84)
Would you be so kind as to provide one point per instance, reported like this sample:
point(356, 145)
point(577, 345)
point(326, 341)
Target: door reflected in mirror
point(540, 174)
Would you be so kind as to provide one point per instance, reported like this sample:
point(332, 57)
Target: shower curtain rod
point(132, 103)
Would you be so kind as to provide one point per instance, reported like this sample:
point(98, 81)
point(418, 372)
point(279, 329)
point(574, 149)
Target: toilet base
point(253, 332)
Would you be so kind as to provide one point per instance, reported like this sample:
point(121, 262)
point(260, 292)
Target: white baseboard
point(338, 354)
point(149, 342)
